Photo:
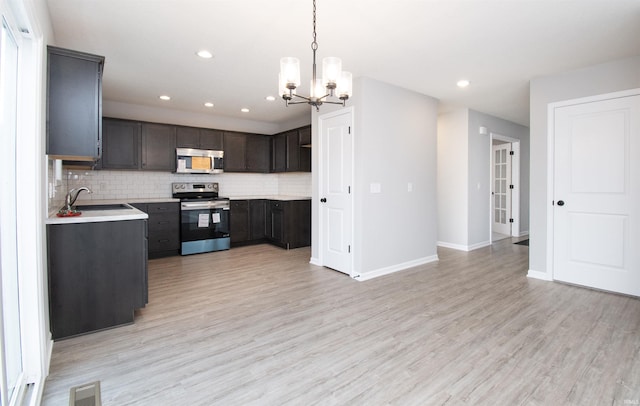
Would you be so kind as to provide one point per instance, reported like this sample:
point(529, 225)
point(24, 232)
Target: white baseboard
point(461, 247)
point(315, 261)
point(395, 268)
point(539, 275)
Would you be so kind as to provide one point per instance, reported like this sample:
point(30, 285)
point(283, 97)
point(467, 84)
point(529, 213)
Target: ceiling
point(424, 45)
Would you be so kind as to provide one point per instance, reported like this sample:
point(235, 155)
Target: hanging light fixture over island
point(335, 82)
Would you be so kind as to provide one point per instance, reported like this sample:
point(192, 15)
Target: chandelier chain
point(314, 44)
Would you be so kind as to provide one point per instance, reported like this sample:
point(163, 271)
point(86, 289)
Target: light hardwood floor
point(261, 326)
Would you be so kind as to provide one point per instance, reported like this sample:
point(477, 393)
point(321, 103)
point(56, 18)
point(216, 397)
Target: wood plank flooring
point(261, 326)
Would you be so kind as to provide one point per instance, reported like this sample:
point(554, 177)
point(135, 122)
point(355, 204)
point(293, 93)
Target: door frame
point(515, 180)
point(321, 165)
point(551, 137)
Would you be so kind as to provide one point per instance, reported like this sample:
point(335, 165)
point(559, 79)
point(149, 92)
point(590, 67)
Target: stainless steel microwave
point(190, 160)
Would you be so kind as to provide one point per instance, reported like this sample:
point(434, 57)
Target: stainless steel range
point(204, 217)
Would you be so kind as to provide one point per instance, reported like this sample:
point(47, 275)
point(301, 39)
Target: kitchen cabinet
point(158, 147)
point(288, 152)
point(248, 221)
point(199, 138)
point(120, 144)
point(74, 104)
point(163, 226)
point(239, 220)
point(288, 223)
point(246, 152)
point(97, 275)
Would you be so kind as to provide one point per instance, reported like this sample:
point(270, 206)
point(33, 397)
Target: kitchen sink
point(90, 207)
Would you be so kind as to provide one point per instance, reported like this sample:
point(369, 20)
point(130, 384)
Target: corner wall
point(608, 77)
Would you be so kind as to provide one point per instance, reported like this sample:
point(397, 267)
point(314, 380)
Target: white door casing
point(336, 179)
point(596, 191)
point(501, 202)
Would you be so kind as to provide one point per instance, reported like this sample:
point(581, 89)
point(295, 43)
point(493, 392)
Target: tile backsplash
point(145, 184)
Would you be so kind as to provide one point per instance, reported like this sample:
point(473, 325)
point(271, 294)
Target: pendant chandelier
point(335, 82)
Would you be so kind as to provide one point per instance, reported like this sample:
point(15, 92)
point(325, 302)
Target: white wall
point(129, 111)
point(453, 170)
point(464, 177)
point(599, 79)
point(394, 144)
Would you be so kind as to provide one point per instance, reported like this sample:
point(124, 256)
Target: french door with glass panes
point(502, 189)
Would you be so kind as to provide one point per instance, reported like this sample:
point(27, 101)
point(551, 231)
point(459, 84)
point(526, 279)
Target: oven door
point(204, 229)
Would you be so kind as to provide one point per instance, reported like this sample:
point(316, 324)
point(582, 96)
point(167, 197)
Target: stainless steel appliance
point(190, 160)
point(204, 217)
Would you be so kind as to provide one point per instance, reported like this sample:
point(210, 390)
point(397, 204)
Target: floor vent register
point(85, 395)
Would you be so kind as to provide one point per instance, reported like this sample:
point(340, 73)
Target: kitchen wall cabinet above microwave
point(74, 104)
point(199, 138)
point(138, 145)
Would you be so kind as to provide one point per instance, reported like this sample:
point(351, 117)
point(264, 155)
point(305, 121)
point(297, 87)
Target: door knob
point(560, 202)
point(323, 200)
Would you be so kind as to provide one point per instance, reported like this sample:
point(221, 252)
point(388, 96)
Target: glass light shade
point(282, 85)
point(345, 85)
point(331, 68)
point(290, 70)
point(317, 90)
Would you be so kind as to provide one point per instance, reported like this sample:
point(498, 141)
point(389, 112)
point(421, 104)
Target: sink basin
point(90, 207)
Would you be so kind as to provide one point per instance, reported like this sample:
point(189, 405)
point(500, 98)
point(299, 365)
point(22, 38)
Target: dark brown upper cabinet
point(74, 104)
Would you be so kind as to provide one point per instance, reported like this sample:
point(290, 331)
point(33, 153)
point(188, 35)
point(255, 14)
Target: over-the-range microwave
point(190, 160)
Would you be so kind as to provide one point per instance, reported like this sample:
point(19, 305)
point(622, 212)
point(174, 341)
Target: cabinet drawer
point(164, 241)
point(163, 222)
point(163, 208)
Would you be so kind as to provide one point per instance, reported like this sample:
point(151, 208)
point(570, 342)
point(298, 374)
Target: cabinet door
point(235, 147)
point(299, 223)
point(293, 151)
point(187, 137)
point(74, 103)
point(164, 228)
point(279, 153)
point(258, 153)
point(276, 230)
point(120, 144)
point(305, 148)
point(239, 221)
point(257, 219)
point(158, 147)
point(211, 139)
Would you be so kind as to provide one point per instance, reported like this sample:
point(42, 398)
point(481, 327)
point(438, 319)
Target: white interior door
point(336, 163)
point(597, 194)
point(501, 190)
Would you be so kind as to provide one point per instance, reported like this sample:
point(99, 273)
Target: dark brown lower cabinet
point(289, 223)
point(97, 275)
point(164, 228)
point(285, 223)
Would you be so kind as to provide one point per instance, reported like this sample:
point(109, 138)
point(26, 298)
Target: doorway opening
point(504, 206)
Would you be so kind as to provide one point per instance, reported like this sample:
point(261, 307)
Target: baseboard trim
point(315, 261)
point(523, 234)
point(395, 268)
point(538, 275)
point(460, 247)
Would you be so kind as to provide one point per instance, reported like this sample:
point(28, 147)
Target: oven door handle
point(204, 206)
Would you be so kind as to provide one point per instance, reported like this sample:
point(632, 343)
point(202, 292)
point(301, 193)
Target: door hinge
point(510, 186)
point(349, 189)
point(511, 153)
point(510, 220)
point(349, 249)
point(349, 129)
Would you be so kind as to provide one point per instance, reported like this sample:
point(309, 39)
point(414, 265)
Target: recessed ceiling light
point(204, 54)
point(463, 83)
point(244, 110)
point(165, 97)
point(270, 98)
point(208, 104)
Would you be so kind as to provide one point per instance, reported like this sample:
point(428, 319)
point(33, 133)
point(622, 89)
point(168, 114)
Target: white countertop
point(95, 216)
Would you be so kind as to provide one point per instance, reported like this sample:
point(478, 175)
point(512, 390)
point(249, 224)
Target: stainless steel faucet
point(71, 197)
